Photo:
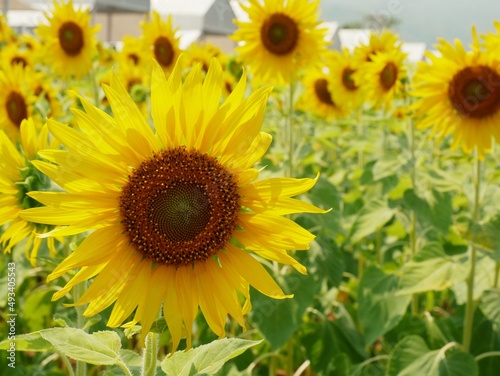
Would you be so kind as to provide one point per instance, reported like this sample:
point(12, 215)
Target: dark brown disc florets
point(179, 207)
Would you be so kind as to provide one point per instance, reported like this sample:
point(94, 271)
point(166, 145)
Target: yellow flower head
point(133, 52)
point(18, 178)
point(16, 101)
point(160, 39)
point(382, 77)
point(6, 33)
point(459, 94)
point(317, 97)
point(69, 40)
point(176, 213)
point(384, 41)
point(346, 93)
point(281, 37)
point(12, 54)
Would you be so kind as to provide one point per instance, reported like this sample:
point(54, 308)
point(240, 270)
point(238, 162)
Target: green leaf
point(326, 339)
point(379, 308)
point(433, 269)
point(388, 165)
point(97, 348)
point(278, 320)
point(405, 353)
point(205, 359)
point(444, 362)
point(490, 305)
point(434, 209)
point(372, 217)
point(28, 342)
point(483, 280)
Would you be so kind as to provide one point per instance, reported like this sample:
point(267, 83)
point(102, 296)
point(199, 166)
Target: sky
point(421, 20)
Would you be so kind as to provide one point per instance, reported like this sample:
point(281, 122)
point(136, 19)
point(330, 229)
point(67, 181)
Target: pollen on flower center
point(163, 50)
point(180, 207)
point(16, 108)
point(279, 34)
point(71, 38)
point(474, 92)
point(321, 90)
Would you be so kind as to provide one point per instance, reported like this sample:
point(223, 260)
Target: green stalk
point(289, 130)
point(413, 217)
point(470, 305)
point(149, 357)
point(78, 291)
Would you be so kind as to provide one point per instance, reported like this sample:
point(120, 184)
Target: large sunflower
point(160, 39)
point(15, 99)
point(19, 177)
point(345, 92)
point(458, 93)
point(317, 97)
point(175, 213)
point(382, 77)
point(280, 37)
point(70, 43)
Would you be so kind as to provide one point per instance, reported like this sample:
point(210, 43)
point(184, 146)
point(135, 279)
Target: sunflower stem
point(149, 357)
point(289, 129)
point(470, 304)
point(497, 272)
point(78, 291)
point(413, 216)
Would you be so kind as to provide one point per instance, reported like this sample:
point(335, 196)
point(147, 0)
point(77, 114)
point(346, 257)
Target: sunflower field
point(282, 209)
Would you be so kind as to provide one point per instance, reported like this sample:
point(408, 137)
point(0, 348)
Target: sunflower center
point(279, 34)
point(19, 60)
point(164, 52)
point(347, 80)
point(179, 207)
point(475, 91)
point(321, 90)
point(71, 38)
point(16, 108)
point(389, 75)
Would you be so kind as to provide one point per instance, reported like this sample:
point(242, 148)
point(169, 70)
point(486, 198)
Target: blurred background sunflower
point(69, 40)
point(280, 37)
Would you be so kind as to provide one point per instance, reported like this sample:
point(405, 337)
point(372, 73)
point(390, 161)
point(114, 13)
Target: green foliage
point(206, 359)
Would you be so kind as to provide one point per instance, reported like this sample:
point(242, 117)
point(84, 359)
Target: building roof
point(139, 6)
point(209, 16)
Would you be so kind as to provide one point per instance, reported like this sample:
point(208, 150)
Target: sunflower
point(12, 55)
point(15, 99)
point(175, 213)
point(202, 53)
point(384, 41)
point(346, 93)
point(383, 78)
point(70, 43)
point(280, 37)
point(6, 33)
point(317, 96)
point(133, 52)
point(19, 177)
point(160, 39)
point(44, 89)
point(135, 81)
point(458, 93)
